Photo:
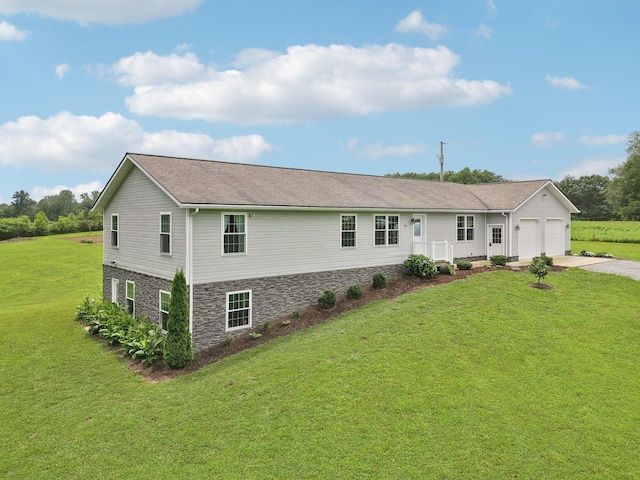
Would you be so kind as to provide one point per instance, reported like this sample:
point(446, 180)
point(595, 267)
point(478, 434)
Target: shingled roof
point(206, 183)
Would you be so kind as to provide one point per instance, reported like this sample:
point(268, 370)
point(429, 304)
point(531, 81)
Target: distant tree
point(87, 200)
point(23, 204)
point(624, 187)
point(41, 224)
point(589, 195)
point(60, 205)
point(466, 176)
point(6, 210)
point(178, 351)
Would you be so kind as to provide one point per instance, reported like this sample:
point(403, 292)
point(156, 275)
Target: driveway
point(628, 268)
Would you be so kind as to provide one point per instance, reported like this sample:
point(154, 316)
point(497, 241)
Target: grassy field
point(628, 251)
point(482, 378)
point(621, 232)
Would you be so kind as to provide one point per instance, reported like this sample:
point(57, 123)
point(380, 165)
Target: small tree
point(539, 268)
point(178, 351)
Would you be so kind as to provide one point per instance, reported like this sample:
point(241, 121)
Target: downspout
point(507, 221)
point(190, 264)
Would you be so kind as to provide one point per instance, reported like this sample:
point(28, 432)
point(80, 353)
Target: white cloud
point(149, 68)
point(546, 139)
point(9, 33)
point(593, 140)
point(183, 47)
point(62, 70)
point(378, 150)
point(352, 143)
point(592, 166)
point(37, 193)
point(415, 22)
point(112, 12)
point(483, 31)
point(491, 6)
point(307, 83)
point(67, 141)
point(568, 83)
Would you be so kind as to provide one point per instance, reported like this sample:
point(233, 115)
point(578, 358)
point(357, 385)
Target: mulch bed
point(309, 316)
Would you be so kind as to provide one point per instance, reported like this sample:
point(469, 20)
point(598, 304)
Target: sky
point(528, 89)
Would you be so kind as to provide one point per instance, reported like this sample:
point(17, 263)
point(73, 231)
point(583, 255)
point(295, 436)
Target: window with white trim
point(131, 297)
point(115, 286)
point(347, 231)
point(465, 227)
point(385, 229)
point(165, 233)
point(164, 302)
point(115, 220)
point(238, 310)
point(234, 233)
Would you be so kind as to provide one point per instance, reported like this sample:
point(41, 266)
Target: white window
point(465, 227)
point(131, 297)
point(115, 286)
point(114, 230)
point(165, 301)
point(347, 231)
point(165, 233)
point(238, 310)
point(385, 229)
point(234, 233)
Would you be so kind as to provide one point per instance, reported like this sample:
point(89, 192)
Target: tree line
point(61, 213)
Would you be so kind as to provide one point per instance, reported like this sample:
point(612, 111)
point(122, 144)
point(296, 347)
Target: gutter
point(189, 261)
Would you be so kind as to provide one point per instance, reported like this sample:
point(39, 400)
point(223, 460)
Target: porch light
point(568, 225)
point(517, 227)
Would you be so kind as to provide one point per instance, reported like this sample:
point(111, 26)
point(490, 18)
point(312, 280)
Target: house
point(259, 242)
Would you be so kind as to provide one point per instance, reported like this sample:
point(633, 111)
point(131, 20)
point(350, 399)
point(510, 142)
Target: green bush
point(539, 268)
point(547, 260)
point(254, 335)
point(296, 315)
point(354, 292)
point(265, 327)
point(420, 266)
point(327, 300)
point(144, 342)
point(178, 350)
point(464, 265)
point(379, 281)
point(498, 260)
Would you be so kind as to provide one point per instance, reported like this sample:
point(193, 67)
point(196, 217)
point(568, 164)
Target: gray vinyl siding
point(138, 204)
point(542, 208)
point(289, 243)
point(443, 226)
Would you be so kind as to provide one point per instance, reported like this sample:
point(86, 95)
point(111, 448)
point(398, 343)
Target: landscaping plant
point(420, 266)
point(178, 351)
point(379, 281)
point(327, 300)
point(539, 268)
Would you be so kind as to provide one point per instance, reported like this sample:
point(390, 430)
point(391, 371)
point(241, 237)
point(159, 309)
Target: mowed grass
point(481, 378)
point(627, 251)
point(612, 231)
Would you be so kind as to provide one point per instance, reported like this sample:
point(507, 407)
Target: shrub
point(296, 315)
point(178, 351)
point(379, 281)
point(354, 292)
point(539, 268)
point(327, 300)
point(464, 265)
point(266, 327)
point(254, 335)
point(547, 260)
point(144, 341)
point(420, 266)
point(284, 323)
point(227, 341)
point(498, 260)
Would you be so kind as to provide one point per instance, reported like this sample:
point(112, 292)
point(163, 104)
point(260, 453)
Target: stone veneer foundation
point(272, 297)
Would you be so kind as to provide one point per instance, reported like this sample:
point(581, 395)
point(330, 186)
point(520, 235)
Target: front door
point(419, 234)
point(496, 241)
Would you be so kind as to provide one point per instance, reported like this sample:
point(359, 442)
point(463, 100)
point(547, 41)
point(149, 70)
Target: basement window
point(238, 310)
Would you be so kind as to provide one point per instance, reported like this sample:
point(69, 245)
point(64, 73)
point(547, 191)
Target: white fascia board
point(322, 209)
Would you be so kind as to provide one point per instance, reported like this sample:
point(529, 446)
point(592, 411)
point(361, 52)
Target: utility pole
point(441, 158)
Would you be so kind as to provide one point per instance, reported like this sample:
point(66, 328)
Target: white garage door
point(528, 239)
point(554, 237)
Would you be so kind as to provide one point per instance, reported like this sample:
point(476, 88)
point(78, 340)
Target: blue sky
point(528, 89)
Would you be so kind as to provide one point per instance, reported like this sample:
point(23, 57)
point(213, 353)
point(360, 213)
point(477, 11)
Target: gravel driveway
point(617, 267)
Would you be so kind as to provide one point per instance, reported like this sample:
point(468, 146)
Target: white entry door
point(496, 240)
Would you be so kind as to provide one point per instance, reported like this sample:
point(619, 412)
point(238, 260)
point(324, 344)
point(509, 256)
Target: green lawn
point(611, 231)
point(481, 378)
point(629, 251)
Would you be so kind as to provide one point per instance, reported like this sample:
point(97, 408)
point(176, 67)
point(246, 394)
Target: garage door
point(528, 239)
point(554, 237)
